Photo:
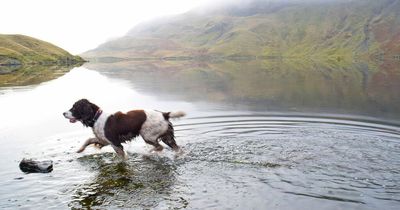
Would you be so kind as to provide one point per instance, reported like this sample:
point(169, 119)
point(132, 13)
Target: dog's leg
point(87, 143)
point(170, 141)
point(169, 138)
point(157, 146)
point(120, 151)
point(101, 143)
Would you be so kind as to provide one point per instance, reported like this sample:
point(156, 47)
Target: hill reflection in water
point(276, 85)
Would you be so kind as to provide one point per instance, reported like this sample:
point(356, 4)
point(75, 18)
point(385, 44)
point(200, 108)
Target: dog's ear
point(87, 115)
point(88, 111)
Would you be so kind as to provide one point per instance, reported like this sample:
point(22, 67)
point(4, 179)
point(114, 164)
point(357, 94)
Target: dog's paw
point(80, 150)
point(179, 153)
point(125, 158)
point(98, 146)
point(156, 150)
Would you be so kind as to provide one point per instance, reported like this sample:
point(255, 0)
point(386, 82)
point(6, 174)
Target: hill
point(25, 50)
point(333, 29)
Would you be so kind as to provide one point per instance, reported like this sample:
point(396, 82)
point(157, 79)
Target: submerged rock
point(33, 166)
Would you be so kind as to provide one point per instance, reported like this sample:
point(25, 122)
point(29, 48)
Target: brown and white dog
point(114, 129)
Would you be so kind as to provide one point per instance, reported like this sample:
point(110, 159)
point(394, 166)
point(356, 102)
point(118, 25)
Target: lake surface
point(258, 135)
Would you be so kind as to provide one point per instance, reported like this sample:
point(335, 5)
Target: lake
point(259, 134)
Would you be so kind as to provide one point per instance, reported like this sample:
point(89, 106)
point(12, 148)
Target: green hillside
point(25, 50)
point(333, 29)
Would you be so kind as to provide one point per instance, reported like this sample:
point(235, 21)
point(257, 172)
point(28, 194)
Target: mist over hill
point(333, 29)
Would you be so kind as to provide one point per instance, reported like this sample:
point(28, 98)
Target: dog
point(114, 129)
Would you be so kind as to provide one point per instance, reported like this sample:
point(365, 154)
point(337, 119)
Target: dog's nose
point(64, 114)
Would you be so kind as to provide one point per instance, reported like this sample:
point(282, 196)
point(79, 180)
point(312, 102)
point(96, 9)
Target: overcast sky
point(80, 25)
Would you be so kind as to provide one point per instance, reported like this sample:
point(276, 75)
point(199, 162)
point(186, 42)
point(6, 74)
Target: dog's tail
point(176, 114)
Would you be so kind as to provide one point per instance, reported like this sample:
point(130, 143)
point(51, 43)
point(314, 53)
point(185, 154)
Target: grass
point(334, 31)
point(26, 50)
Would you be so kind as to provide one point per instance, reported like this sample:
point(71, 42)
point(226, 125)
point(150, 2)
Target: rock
point(33, 166)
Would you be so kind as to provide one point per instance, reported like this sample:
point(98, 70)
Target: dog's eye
point(73, 110)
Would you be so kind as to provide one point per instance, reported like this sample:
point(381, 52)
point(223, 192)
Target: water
point(282, 139)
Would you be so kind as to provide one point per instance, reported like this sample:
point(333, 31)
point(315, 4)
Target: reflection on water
point(30, 75)
point(137, 183)
point(360, 88)
point(258, 135)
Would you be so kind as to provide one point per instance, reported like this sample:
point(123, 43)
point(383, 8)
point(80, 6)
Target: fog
point(78, 26)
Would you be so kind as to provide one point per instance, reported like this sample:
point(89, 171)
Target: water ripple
point(344, 159)
point(242, 161)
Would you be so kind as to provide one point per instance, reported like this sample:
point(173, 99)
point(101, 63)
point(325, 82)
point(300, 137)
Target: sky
point(81, 25)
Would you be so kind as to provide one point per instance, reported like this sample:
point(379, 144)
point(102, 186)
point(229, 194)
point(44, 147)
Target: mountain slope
point(20, 49)
point(337, 29)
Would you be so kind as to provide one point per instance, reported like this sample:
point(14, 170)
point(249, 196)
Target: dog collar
point(97, 115)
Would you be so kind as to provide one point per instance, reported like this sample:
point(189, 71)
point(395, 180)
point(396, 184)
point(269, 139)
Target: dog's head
point(82, 111)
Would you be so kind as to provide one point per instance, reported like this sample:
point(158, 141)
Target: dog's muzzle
point(69, 116)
